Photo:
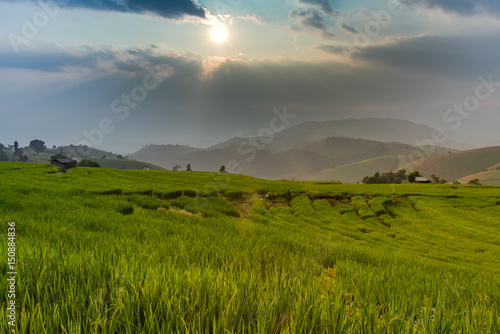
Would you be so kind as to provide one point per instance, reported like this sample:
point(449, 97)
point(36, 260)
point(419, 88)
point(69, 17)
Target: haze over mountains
point(301, 151)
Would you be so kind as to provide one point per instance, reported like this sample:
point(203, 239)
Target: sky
point(120, 74)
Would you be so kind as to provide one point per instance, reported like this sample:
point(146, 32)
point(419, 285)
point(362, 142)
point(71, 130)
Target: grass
point(110, 251)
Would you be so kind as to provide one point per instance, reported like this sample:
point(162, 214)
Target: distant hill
point(310, 157)
point(489, 178)
point(355, 172)
point(163, 155)
point(457, 165)
point(377, 129)
point(105, 159)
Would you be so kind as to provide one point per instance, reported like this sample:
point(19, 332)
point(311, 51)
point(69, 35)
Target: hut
point(65, 163)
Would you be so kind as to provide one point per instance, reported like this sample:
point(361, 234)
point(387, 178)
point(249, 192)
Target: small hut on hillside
point(422, 180)
point(65, 163)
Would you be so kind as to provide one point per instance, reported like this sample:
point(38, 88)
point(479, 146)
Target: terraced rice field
point(108, 251)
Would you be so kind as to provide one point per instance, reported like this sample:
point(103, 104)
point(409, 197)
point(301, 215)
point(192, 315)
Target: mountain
point(311, 157)
point(457, 165)
point(378, 129)
point(355, 172)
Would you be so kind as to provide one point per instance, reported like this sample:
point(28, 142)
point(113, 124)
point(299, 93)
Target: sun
point(218, 33)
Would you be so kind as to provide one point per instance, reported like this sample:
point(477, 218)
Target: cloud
point(462, 7)
point(462, 57)
point(333, 49)
point(348, 28)
point(165, 8)
point(311, 19)
point(197, 100)
point(253, 18)
point(323, 5)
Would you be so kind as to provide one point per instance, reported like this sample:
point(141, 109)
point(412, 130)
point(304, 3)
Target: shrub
point(88, 163)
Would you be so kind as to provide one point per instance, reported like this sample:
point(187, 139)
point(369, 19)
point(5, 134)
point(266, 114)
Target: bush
point(88, 163)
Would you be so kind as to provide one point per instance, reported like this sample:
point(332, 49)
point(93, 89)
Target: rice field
point(116, 251)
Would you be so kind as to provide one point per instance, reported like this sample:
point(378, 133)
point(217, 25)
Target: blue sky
point(63, 64)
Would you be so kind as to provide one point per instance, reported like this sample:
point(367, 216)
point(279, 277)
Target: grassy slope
point(459, 164)
point(123, 252)
point(489, 178)
point(355, 172)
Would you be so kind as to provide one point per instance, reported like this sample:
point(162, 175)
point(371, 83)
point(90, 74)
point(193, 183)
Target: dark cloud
point(348, 28)
point(324, 5)
point(464, 57)
point(311, 19)
point(107, 60)
point(165, 8)
point(463, 7)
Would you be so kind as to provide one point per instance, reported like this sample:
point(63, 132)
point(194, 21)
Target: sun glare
point(218, 33)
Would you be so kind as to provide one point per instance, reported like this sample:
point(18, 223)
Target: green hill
point(105, 159)
point(127, 251)
point(489, 178)
point(457, 165)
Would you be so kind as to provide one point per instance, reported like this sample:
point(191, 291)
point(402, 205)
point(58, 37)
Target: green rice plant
point(126, 209)
point(147, 202)
point(343, 208)
point(362, 207)
point(84, 267)
point(378, 204)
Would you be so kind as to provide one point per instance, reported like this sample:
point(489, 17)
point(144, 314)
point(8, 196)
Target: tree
point(54, 147)
point(475, 182)
point(38, 145)
point(176, 168)
point(18, 152)
point(386, 178)
point(188, 168)
point(2, 147)
point(413, 175)
point(222, 169)
point(437, 179)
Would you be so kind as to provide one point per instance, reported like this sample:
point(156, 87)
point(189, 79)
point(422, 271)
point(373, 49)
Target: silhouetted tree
point(188, 168)
point(17, 151)
point(437, 179)
point(38, 145)
point(54, 147)
point(222, 169)
point(475, 182)
point(386, 178)
point(176, 168)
